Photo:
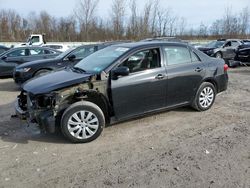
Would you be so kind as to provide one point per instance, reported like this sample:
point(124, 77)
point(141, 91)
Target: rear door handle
point(159, 77)
point(198, 69)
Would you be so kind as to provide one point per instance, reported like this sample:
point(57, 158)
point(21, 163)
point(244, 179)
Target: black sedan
point(72, 56)
point(118, 83)
point(16, 56)
point(243, 55)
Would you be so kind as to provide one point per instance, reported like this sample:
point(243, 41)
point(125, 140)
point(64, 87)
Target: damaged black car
point(118, 83)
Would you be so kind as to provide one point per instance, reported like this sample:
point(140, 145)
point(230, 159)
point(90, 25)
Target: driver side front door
point(144, 89)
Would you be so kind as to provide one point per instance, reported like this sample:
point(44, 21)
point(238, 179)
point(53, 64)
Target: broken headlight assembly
point(45, 101)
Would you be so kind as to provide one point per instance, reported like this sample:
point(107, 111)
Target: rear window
point(177, 55)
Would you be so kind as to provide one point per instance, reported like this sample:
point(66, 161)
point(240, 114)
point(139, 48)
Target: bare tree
point(244, 19)
point(132, 28)
point(117, 17)
point(182, 26)
point(145, 21)
point(85, 13)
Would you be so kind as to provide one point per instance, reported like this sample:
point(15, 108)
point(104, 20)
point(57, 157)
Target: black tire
point(77, 108)
point(197, 103)
point(42, 72)
point(218, 55)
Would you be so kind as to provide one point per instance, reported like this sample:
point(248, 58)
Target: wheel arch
point(212, 81)
point(48, 69)
point(92, 96)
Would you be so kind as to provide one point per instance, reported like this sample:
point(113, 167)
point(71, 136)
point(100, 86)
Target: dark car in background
point(3, 49)
point(118, 83)
point(233, 51)
point(72, 56)
point(243, 55)
point(16, 56)
point(222, 48)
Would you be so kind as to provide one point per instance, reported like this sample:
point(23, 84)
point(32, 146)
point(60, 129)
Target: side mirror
point(4, 57)
point(119, 71)
point(71, 57)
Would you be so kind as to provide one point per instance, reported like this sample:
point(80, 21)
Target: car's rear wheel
point(205, 97)
point(218, 55)
point(82, 122)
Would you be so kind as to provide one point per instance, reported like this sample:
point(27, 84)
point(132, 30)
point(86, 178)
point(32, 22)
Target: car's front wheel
point(82, 122)
point(205, 97)
point(218, 55)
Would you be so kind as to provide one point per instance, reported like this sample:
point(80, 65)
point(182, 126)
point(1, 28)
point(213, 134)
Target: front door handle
point(198, 69)
point(159, 77)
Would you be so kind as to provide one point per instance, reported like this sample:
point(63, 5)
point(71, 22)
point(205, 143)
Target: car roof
point(36, 47)
point(149, 43)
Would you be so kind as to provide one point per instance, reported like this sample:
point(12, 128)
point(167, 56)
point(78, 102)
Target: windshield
point(101, 59)
point(215, 44)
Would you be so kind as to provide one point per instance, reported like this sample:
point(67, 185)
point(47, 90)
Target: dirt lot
point(178, 148)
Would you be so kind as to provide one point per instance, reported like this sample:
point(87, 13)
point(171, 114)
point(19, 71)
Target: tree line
point(124, 22)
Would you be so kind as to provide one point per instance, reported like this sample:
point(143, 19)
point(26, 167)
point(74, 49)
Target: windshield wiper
point(78, 69)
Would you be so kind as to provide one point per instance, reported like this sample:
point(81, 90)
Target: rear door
point(144, 89)
point(185, 73)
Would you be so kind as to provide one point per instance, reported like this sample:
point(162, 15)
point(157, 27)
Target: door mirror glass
point(71, 57)
point(119, 71)
point(4, 57)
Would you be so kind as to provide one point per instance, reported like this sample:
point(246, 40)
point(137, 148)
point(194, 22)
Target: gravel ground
point(177, 148)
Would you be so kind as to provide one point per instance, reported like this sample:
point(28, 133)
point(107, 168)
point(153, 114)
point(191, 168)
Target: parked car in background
point(121, 82)
point(29, 70)
point(16, 56)
point(230, 50)
point(243, 55)
point(3, 49)
point(222, 48)
point(59, 47)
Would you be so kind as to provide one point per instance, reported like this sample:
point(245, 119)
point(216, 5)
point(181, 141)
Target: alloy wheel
point(206, 97)
point(83, 124)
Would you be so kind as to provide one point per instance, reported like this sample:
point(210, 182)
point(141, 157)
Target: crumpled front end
point(37, 110)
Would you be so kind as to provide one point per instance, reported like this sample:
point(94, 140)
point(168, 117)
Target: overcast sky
point(195, 11)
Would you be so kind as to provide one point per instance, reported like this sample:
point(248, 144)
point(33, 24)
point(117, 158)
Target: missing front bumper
point(45, 119)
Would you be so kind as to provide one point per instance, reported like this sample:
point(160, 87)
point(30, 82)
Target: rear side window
point(36, 51)
point(143, 60)
point(49, 52)
point(177, 55)
point(83, 52)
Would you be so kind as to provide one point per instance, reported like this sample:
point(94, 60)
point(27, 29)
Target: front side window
point(16, 53)
point(177, 55)
point(228, 44)
point(235, 43)
point(143, 60)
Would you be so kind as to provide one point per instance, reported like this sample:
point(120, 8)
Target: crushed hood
point(54, 81)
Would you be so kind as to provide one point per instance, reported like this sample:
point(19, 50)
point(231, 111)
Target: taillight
point(225, 67)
